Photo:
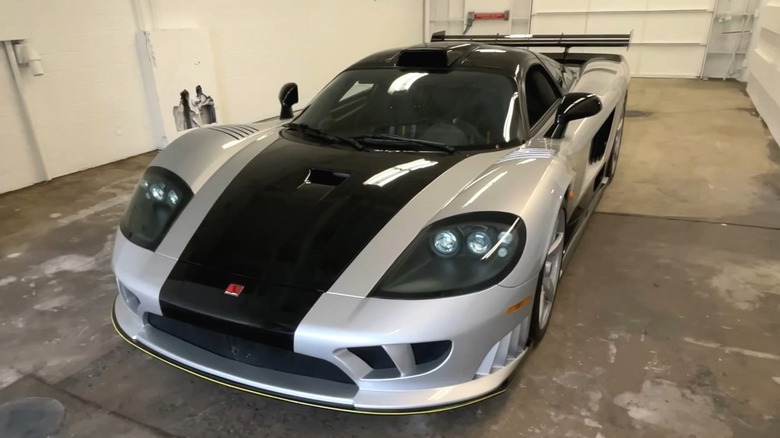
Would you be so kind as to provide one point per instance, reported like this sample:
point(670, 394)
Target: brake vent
point(396, 360)
point(509, 349)
point(236, 131)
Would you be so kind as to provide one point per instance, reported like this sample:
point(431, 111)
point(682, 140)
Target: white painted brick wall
point(260, 45)
point(764, 65)
point(90, 107)
point(19, 166)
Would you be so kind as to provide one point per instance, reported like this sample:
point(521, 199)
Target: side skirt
point(576, 227)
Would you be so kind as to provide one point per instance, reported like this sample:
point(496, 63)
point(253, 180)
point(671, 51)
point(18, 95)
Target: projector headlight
point(157, 201)
point(456, 256)
point(446, 243)
point(478, 242)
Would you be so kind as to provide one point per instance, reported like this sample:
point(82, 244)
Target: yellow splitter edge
point(212, 379)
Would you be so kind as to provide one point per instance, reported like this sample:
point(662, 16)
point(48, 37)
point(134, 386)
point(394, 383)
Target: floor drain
point(32, 417)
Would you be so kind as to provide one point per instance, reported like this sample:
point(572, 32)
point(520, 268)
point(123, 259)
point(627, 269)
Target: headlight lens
point(456, 256)
point(478, 243)
point(158, 199)
point(446, 243)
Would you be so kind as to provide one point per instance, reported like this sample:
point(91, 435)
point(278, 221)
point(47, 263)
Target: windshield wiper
point(390, 139)
point(314, 132)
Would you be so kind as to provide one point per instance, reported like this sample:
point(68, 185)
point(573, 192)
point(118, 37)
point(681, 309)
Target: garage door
point(669, 36)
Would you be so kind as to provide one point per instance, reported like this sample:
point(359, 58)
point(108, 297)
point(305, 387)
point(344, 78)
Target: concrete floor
point(666, 324)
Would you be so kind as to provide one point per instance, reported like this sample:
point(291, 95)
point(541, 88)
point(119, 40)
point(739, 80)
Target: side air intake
point(395, 360)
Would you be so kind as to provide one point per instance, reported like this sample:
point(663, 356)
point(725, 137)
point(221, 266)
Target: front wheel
point(549, 277)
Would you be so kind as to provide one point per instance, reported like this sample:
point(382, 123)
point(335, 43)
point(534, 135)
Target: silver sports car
point(395, 246)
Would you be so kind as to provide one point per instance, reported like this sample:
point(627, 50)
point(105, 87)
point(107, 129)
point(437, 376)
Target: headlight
point(445, 243)
point(158, 199)
point(456, 256)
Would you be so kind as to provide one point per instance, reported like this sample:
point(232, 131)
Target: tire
point(549, 278)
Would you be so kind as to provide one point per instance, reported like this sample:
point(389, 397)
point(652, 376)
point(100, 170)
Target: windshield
point(459, 108)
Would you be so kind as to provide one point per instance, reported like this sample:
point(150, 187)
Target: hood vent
point(319, 183)
point(236, 131)
point(325, 177)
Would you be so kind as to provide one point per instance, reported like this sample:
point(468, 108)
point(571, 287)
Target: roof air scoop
point(423, 57)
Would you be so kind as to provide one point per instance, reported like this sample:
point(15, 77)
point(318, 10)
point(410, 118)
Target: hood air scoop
point(319, 183)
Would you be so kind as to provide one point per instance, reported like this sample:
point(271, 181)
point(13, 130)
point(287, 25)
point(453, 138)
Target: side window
point(540, 93)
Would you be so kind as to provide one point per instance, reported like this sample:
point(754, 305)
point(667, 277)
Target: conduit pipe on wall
point(426, 20)
point(33, 135)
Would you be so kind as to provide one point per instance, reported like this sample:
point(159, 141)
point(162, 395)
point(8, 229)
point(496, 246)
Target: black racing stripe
point(263, 312)
point(285, 228)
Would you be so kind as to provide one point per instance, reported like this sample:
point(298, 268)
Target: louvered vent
point(510, 348)
point(236, 131)
point(522, 154)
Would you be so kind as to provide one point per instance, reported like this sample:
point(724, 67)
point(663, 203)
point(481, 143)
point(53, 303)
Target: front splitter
point(239, 387)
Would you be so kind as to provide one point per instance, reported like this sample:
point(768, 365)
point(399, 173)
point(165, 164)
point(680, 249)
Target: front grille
point(250, 352)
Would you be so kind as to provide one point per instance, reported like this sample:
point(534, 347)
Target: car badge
point(234, 290)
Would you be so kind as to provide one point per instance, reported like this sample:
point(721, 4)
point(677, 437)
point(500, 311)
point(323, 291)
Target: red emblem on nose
point(234, 290)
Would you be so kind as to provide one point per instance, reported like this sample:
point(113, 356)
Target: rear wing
point(566, 41)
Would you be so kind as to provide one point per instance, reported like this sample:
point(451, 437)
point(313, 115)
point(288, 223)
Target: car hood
point(297, 214)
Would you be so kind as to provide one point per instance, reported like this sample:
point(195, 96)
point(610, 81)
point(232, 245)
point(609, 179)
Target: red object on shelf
point(490, 16)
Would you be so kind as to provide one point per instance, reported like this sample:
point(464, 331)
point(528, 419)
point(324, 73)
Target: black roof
point(465, 55)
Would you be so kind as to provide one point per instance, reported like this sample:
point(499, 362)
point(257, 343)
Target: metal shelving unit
point(729, 40)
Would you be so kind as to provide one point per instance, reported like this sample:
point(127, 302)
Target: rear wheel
point(549, 277)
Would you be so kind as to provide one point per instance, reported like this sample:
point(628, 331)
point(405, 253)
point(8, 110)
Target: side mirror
point(288, 96)
point(574, 106)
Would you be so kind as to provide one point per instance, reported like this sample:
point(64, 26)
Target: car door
point(586, 155)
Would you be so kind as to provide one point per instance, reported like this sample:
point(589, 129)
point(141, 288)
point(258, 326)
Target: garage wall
point(450, 16)
point(669, 36)
point(763, 72)
point(89, 107)
point(19, 166)
point(260, 45)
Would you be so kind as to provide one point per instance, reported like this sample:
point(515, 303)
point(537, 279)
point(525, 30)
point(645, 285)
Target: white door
point(19, 164)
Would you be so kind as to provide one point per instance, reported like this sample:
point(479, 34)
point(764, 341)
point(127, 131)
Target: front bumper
point(374, 397)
